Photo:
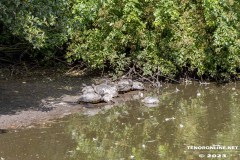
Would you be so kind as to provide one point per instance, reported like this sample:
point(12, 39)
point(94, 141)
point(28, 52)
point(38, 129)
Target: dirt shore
point(53, 109)
point(27, 101)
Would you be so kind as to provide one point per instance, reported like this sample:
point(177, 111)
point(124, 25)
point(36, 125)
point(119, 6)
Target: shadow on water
point(195, 116)
point(2, 131)
point(29, 93)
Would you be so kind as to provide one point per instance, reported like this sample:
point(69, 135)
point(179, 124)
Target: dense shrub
point(156, 37)
point(39, 24)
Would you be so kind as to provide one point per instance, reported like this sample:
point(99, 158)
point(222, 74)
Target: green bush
point(39, 25)
point(155, 37)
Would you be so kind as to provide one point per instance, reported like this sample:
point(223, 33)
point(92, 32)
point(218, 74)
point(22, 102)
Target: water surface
point(197, 115)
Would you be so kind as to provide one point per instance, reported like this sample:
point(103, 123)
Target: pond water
point(196, 122)
point(49, 142)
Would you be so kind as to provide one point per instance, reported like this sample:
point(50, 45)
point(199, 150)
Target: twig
point(5, 60)
point(143, 77)
point(170, 78)
point(60, 60)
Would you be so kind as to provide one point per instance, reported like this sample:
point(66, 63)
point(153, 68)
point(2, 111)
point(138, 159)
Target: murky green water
point(196, 116)
point(51, 142)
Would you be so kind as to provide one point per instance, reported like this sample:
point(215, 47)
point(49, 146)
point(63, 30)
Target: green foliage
point(156, 37)
point(120, 37)
point(40, 23)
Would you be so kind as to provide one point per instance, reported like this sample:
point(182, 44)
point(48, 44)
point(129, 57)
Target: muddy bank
point(27, 101)
point(37, 98)
point(51, 109)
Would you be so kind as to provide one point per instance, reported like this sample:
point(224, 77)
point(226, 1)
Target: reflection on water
point(194, 116)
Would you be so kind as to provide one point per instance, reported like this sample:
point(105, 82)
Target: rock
point(150, 100)
point(90, 98)
point(106, 92)
point(137, 96)
point(124, 85)
point(87, 89)
point(107, 98)
point(137, 85)
point(104, 89)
